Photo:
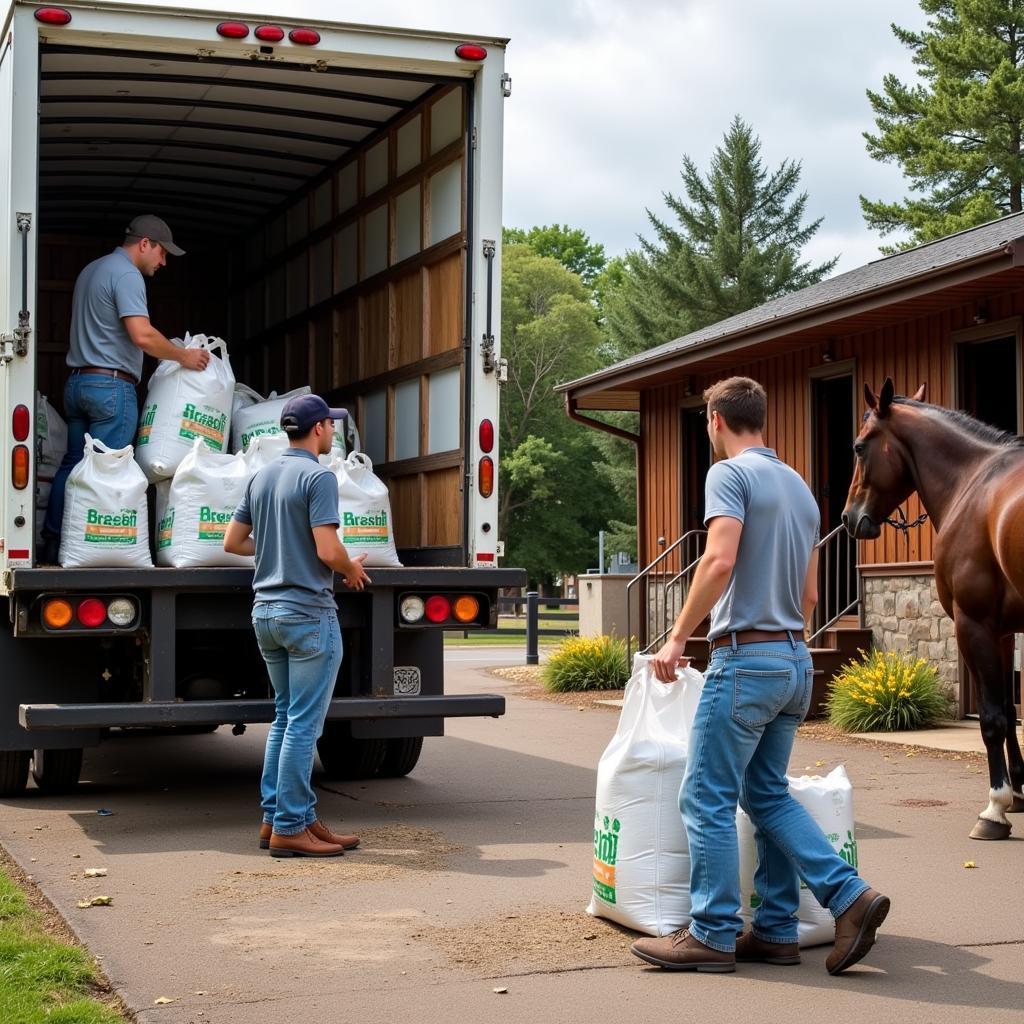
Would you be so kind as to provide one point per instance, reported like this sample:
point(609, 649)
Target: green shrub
point(886, 692)
point(587, 663)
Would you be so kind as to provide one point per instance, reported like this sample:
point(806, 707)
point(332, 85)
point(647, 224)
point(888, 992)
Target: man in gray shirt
point(289, 520)
point(758, 580)
point(110, 333)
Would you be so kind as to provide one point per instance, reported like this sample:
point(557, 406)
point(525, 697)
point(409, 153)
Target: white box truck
point(338, 191)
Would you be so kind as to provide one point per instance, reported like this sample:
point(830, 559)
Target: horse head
point(882, 479)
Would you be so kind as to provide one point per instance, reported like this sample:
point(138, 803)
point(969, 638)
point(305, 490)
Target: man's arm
point(810, 595)
point(709, 582)
point(238, 539)
point(153, 343)
point(332, 553)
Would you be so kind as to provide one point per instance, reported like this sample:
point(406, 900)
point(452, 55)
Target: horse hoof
point(1017, 807)
point(985, 829)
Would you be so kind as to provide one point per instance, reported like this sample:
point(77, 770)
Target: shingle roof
point(965, 246)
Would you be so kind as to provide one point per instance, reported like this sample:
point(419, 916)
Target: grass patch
point(886, 692)
point(42, 980)
point(587, 663)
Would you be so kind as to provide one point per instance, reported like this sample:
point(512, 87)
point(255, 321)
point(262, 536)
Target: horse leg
point(1014, 757)
point(980, 648)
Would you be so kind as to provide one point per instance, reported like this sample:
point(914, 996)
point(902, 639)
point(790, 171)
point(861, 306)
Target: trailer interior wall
point(324, 214)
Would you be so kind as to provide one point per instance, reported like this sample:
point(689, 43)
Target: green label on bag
point(259, 431)
point(122, 528)
point(146, 426)
point(364, 530)
point(213, 523)
point(165, 531)
point(209, 426)
point(606, 852)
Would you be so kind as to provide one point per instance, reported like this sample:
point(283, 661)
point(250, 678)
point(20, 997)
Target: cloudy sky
point(608, 95)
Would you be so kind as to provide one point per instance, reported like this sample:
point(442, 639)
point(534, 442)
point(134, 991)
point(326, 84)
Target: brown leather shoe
point(303, 844)
point(855, 930)
point(325, 835)
point(752, 950)
point(266, 830)
point(682, 952)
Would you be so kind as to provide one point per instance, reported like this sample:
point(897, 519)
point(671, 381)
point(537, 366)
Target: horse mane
point(968, 424)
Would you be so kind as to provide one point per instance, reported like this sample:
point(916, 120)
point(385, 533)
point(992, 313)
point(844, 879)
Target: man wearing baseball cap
point(288, 519)
point(110, 334)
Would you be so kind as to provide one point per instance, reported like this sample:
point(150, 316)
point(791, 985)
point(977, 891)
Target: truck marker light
point(121, 611)
point(412, 609)
point(269, 33)
point(20, 422)
point(467, 608)
point(57, 613)
point(52, 15)
point(304, 36)
point(486, 436)
point(92, 612)
point(19, 467)
point(486, 476)
point(470, 51)
point(438, 608)
point(232, 30)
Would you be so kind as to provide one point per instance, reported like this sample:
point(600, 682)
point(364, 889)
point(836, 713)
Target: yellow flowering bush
point(587, 663)
point(886, 691)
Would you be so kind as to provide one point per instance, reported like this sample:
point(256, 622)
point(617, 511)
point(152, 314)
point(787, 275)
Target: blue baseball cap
point(305, 411)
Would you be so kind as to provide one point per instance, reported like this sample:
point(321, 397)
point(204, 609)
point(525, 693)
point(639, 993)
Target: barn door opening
point(696, 450)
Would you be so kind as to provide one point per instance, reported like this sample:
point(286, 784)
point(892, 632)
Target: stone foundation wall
point(904, 614)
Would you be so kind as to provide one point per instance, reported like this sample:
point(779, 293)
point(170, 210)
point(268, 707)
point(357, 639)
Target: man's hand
point(355, 576)
point(668, 659)
point(194, 358)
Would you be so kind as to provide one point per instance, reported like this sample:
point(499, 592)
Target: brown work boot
point(303, 844)
point(680, 951)
point(266, 830)
point(752, 950)
point(855, 930)
point(325, 835)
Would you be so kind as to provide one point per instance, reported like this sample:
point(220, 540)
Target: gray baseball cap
point(148, 225)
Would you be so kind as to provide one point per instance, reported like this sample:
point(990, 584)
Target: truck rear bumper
point(217, 712)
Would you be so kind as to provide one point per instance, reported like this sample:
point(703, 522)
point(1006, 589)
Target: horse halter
point(903, 524)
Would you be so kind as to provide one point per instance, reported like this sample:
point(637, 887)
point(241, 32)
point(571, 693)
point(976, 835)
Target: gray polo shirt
point(780, 527)
point(107, 289)
point(282, 503)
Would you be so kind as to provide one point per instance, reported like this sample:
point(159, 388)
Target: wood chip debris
point(95, 873)
point(96, 901)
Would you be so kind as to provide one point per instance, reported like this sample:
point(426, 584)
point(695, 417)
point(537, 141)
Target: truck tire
point(346, 757)
point(14, 771)
point(57, 771)
point(400, 757)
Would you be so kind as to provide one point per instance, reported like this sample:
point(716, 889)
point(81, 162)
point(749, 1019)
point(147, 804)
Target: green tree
point(737, 244)
point(956, 133)
point(572, 248)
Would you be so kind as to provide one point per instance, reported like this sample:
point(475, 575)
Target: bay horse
point(970, 479)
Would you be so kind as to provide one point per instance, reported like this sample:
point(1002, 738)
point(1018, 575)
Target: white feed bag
point(641, 854)
point(263, 417)
point(51, 444)
point(243, 398)
point(194, 510)
point(364, 510)
point(829, 801)
point(265, 449)
point(106, 518)
point(183, 405)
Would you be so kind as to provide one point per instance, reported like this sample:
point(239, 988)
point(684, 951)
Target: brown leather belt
point(751, 636)
point(106, 372)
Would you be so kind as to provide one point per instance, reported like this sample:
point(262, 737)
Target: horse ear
point(870, 397)
point(886, 396)
point(920, 393)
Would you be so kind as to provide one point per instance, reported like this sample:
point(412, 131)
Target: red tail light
point(19, 467)
point(486, 476)
point(470, 51)
point(20, 422)
point(232, 30)
point(438, 608)
point(486, 436)
point(269, 34)
point(52, 15)
point(304, 36)
point(92, 612)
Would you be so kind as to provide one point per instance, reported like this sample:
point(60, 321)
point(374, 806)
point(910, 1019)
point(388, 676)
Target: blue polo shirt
point(780, 527)
point(107, 289)
point(282, 503)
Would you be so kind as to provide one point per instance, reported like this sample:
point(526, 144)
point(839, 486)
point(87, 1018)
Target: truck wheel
point(345, 757)
point(57, 771)
point(400, 757)
point(13, 771)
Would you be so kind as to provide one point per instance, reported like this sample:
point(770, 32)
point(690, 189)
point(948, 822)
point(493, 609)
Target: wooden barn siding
point(914, 352)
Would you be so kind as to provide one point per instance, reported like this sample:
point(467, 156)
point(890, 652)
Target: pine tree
point(737, 245)
point(956, 133)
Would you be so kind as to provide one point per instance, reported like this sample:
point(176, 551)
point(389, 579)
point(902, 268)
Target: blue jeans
point(755, 696)
point(303, 654)
point(105, 407)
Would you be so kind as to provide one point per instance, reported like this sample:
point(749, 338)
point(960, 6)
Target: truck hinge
point(490, 250)
point(24, 328)
point(506, 85)
point(6, 348)
point(472, 137)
